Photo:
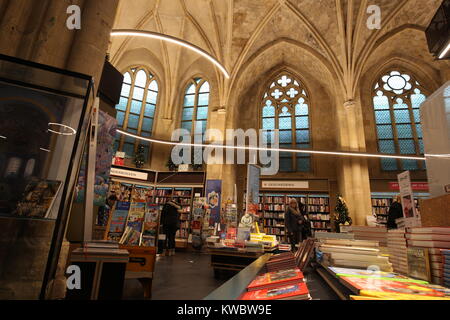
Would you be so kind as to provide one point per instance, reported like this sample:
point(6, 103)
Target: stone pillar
point(353, 173)
point(224, 172)
point(37, 31)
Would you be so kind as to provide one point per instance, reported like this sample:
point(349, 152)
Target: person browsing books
point(395, 212)
point(295, 223)
point(170, 220)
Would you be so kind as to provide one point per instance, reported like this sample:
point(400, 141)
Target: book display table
point(231, 260)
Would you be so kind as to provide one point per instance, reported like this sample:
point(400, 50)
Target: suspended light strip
point(446, 50)
point(45, 150)
point(167, 38)
point(69, 131)
point(2, 137)
point(343, 154)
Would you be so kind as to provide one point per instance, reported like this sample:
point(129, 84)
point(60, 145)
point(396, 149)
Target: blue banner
point(213, 198)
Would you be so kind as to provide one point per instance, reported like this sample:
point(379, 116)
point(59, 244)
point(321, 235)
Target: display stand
point(141, 266)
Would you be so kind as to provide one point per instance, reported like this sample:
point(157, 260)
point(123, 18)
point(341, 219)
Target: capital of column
point(349, 104)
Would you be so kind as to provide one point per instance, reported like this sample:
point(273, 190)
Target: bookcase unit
point(382, 201)
point(272, 207)
point(160, 195)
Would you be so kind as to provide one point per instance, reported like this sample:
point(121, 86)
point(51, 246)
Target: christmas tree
point(341, 210)
point(171, 165)
point(139, 158)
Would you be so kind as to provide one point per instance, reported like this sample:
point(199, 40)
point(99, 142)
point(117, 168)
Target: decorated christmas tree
point(139, 158)
point(341, 214)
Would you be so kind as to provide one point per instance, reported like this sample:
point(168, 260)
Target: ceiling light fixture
point(2, 137)
point(45, 150)
point(334, 153)
point(66, 130)
point(167, 38)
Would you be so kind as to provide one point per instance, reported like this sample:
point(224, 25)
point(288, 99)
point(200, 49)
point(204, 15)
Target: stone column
point(353, 173)
point(224, 172)
point(37, 31)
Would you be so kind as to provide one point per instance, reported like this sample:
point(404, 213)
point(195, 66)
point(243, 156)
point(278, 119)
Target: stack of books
point(353, 254)
point(330, 235)
point(368, 233)
point(396, 242)
point(435, 239)
point(446, 254)
point(280, 285)
point(284, 247)
point(378, 285)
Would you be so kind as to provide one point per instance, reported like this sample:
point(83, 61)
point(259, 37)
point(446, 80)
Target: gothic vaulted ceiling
point(325, 39)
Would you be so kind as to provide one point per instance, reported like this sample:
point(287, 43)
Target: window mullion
point(293, 140)
point(127, 111)
point(394, 130)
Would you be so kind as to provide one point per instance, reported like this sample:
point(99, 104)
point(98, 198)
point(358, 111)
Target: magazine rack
point(44, 114)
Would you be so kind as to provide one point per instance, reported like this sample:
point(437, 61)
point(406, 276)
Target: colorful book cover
point(119, 217)
point(391, 287)
point(140, 193)
point(298, 290)
point(369, 274)
point(276, 278)
point(136, 216)
point(38, 198)
point(151, 222)
point(399, 296)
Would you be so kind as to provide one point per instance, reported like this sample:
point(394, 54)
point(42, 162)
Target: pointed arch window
point(285, 107)
point(397, 98)
point(196, 106)
point(136, 110)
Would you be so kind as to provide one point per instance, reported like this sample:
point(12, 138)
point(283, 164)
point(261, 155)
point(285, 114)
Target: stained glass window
point(195, 106)
point(136, 110)
point(397, 99)
point(285, 107)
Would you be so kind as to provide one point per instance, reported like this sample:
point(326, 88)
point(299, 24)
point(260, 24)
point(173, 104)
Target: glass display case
point(44, 117)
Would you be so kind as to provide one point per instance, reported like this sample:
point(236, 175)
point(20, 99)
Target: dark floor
point(185, 276)
point(318, 288)
point(189, 276)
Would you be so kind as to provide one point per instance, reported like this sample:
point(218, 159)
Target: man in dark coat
point(395, 212)
point(170, 220)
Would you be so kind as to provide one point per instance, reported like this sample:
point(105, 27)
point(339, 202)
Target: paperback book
point(298, 291)
point(275, 279)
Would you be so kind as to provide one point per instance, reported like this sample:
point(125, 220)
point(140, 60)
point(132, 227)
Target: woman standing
point(295, 223)
point(170, 220)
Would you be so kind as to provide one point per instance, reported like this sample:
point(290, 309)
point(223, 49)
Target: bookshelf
point(184, 196)
point(157, 196)
point(381, 203)
point(319, 212)
point(380, 208)
point(272, 207)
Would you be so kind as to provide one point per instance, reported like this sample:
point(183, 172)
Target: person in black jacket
point(170, 220)
point(295, 223)
point(395, 212)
